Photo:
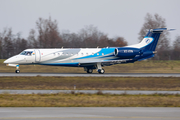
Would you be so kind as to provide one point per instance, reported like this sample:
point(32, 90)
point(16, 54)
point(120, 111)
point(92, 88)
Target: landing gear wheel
point(17, 71)
point(89, 70)
point(101, 71)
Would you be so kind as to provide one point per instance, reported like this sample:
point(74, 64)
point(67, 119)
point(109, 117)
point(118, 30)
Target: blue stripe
point(105, 51)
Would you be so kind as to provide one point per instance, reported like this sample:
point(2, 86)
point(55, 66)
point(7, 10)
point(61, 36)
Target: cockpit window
point(26, 53)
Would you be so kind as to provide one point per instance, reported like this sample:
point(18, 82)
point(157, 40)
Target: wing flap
point(107, 62)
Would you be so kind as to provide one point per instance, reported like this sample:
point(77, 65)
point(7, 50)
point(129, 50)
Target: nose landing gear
point(17, 69)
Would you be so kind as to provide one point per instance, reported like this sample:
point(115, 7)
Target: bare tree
point(7, 43)
point(20, 44)
point(176, 49)
point(32, 39)
point(48, 33)
point(120, 42)
point(90, 36)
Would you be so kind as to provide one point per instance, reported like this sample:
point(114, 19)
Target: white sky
point(113, 17)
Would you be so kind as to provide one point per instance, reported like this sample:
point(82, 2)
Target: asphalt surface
point(90, 113)
point(131, 92)
point(94, 74)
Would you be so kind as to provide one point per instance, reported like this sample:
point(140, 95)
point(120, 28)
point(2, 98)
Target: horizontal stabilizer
point(161, 30)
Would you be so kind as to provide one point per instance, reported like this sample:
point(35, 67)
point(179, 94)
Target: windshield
point(26, 53)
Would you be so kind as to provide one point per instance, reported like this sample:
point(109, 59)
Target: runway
point(90, 113)
point(118, 92)
point(92, 75)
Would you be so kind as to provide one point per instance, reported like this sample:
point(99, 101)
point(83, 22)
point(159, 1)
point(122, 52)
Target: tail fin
point(151, 39)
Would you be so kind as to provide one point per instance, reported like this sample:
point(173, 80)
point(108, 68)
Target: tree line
point(47, 35)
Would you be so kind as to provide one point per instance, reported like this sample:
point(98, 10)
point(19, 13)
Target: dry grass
point(149, 66)
point(91, 83)
point(88, 100)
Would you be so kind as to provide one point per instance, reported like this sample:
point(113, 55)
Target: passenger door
point(37, 56)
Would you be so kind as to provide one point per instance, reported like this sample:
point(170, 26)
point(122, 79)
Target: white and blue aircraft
point(89, 58)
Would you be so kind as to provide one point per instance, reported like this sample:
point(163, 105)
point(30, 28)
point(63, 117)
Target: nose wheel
point(17, 71)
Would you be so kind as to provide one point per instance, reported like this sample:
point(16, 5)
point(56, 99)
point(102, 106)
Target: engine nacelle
point(127, 53)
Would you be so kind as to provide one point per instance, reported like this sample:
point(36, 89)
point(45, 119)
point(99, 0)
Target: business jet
point(90, 58)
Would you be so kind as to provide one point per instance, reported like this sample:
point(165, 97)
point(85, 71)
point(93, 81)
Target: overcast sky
point(113, 17)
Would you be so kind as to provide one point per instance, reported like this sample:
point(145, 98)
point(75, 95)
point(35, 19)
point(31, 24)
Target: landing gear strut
point(100, 69)
point(17, 69)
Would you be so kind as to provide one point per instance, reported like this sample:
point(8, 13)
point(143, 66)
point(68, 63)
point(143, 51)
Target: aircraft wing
point(106, 63)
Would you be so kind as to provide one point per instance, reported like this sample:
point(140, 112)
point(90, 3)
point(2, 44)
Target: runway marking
point(135, 117)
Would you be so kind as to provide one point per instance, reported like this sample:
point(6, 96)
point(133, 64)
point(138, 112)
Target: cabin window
point(102, 53)
point(92, 53)
point(86, 53)
point(97, 53)
point(82, 54)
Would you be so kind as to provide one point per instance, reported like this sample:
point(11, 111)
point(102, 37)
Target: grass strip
point(88, 100)
point(90, 83)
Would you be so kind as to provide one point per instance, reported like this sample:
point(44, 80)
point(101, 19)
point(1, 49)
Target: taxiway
point(93, 75)
point(90, 113)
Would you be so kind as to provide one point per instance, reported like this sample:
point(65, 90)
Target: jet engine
point(127, 53)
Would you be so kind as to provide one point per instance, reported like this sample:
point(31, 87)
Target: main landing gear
point(101, 71)
point(99, 68)
point(89, 70)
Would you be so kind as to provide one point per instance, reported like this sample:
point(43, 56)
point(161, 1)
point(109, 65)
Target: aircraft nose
point(6, 61)
point(11, 60)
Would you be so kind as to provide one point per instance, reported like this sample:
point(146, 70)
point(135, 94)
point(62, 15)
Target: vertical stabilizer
point(150, 41)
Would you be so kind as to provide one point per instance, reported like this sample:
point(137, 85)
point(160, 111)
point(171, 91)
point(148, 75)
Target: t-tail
point(150, 41)
point(148, 45)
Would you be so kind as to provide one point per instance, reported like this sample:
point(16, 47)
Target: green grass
point(150, 66)
point(90, 83)
point(88, 100)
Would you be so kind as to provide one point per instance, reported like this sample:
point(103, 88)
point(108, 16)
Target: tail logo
point(148, 40)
